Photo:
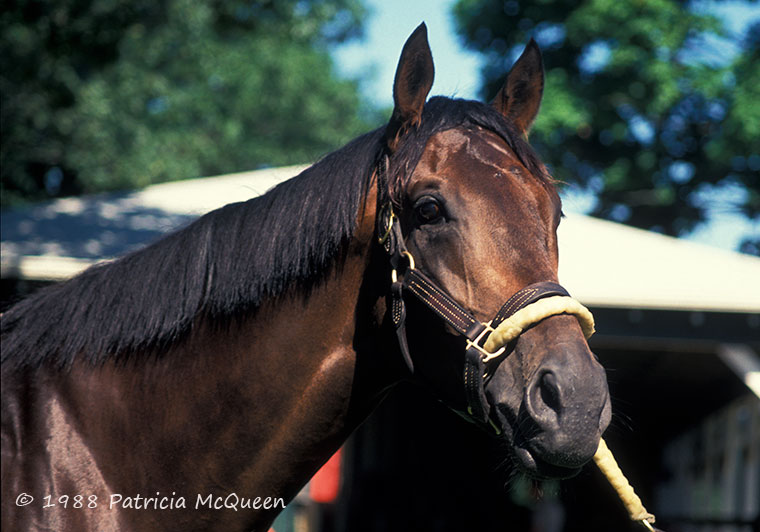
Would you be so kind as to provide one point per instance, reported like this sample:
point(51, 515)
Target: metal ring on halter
point(394, 274)
point(409, 258)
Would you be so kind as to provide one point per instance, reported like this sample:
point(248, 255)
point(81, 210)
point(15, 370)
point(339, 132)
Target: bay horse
point(198, 383)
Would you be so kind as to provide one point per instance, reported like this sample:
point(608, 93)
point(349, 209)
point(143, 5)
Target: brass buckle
point(381, 240)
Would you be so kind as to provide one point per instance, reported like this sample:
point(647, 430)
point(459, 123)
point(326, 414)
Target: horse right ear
point(414, 77)
point(520, 97)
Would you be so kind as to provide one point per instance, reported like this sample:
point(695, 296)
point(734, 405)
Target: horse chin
point(532, 465)
point(528, 460)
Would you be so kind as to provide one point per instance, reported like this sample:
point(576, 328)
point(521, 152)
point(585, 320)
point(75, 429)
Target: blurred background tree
point(112, 94)
point(652, 106)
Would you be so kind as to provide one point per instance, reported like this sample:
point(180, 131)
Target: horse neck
point(255, 406)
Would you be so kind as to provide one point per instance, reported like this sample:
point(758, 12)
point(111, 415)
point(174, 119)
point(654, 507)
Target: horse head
point(471, 215)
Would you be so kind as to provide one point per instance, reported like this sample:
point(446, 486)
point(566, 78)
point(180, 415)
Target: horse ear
point(520, 97)
point(414, 77)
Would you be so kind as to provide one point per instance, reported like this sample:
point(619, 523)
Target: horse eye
point(428, 211)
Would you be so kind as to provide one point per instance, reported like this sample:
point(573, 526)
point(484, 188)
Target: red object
point(325, 484)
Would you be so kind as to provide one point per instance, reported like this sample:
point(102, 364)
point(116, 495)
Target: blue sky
point(373, 61)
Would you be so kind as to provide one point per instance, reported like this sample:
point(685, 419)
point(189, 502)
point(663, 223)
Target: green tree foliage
point(108, 94)
point(641, 107)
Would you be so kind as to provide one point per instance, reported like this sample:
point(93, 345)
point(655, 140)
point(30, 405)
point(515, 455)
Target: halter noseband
point(486, 342)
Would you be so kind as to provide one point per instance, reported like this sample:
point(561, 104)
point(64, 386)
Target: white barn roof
point(613, 265)
point(601, 263)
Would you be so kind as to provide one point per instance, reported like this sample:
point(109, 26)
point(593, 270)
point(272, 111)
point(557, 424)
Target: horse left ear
point(414, 77)
point(520, 97)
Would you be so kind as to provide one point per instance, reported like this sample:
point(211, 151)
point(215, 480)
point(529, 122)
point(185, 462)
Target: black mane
point(225, 264)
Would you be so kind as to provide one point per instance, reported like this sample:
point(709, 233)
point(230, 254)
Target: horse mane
point(224, 264)
point(229, 261)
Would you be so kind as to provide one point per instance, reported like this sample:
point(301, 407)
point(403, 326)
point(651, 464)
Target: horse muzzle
point(556, 425)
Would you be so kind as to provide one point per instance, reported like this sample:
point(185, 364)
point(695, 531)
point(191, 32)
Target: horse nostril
point(543, 401)
point(550, 391)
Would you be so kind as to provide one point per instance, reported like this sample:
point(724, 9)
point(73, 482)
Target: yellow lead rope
point(607, 465)
point(512, 327)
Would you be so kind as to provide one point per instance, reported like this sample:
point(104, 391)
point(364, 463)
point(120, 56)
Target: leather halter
point(415, 282)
